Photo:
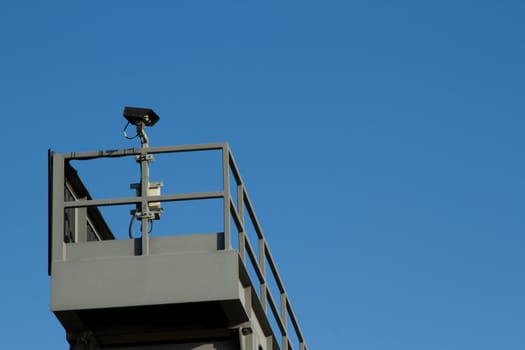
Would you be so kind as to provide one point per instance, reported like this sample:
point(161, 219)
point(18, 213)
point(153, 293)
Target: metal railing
point(280, 308)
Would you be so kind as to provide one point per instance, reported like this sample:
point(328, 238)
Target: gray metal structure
point(176, 292)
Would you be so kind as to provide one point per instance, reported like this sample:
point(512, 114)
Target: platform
point(177, 292)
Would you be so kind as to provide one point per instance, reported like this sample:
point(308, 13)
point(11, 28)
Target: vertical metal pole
point(57, 245)
point(242, 246)
point(144, 184)
point(284, 303)
point(262, 265)
point(240, 202)
point(240, 210)
point(226, 196)
point(144, 187)
point(81, 223)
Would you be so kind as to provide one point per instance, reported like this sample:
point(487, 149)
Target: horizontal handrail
point(138, 151)
point(138, 199)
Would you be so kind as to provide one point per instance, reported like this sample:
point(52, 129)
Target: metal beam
point(137, 151)
point(134, 200)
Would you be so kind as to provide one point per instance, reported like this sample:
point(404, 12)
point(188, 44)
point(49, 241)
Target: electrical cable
point(126, 134)
point(130, 227)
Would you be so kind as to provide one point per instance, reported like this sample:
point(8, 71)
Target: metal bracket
point(148, 215)
point(144, 157)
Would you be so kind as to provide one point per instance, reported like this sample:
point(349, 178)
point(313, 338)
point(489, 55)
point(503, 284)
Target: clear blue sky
point(381, 142)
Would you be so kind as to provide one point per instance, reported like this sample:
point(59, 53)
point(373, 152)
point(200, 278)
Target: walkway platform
point(181, 292)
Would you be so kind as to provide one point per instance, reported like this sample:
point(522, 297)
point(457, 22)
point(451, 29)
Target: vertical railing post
point(58, 186)
point(240, 211)
point(240, 208)
point(262, 265)
point(240, 200)
point(81, 223)
point(283, 320)
point(226, 195)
